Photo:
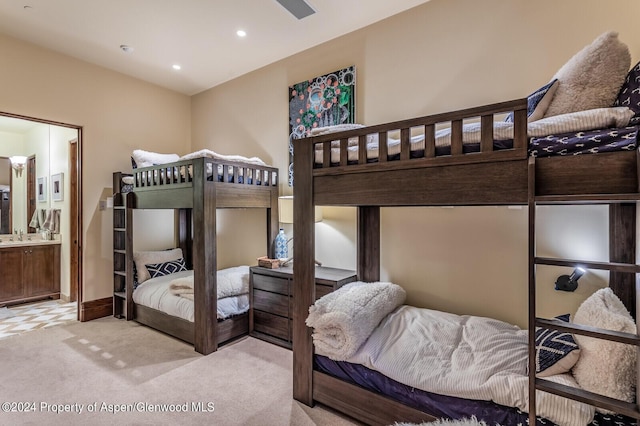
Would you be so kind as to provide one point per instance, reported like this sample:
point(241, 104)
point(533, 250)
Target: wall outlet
point(109, 202)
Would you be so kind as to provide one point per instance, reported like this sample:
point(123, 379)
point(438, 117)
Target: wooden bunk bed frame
point(184, 186)
point(488, 177)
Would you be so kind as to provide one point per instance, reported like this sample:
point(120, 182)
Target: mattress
point(442, 405)
point(154, 293)
point(600, 130)
point(223, 174)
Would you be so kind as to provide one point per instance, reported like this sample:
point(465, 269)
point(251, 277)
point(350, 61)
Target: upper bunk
point(469, 157)
point(185, 183)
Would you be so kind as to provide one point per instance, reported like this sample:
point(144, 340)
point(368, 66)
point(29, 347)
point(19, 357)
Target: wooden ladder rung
point(585, 330)
point(607, 266)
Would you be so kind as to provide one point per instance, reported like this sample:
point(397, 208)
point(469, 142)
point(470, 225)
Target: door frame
point(75, 210)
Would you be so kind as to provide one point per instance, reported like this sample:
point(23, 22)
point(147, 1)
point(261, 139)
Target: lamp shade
point(18, 162)
point(285, 210)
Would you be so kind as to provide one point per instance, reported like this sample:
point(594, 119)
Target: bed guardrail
point(422, 141)
point(181, 174)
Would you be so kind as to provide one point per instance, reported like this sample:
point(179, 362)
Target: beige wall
point(117, 113)
point(443, 55)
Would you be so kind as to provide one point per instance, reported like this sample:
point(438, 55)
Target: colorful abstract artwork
point(319, 102)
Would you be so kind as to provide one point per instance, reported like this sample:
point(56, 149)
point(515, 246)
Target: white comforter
point(464, 356)
point(154, 293)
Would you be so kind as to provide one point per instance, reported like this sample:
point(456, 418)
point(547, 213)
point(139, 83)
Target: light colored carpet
point(444, 422)
point(111, 365)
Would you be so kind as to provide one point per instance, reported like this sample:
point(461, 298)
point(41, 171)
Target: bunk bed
point(195, 188)
point(357, 168)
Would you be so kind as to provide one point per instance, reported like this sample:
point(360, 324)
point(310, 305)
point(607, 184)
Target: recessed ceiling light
point(176, 67)
point(125, 48)
point(241, 33)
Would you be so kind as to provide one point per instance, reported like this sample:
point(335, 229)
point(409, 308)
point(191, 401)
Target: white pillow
point(147, 158)
point(605, 367)
point(143, 258)
point(592, 77)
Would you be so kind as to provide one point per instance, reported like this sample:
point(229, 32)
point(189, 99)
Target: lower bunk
point(375, 399)
point(383, 362)
point(165, 303)
point(227, 329)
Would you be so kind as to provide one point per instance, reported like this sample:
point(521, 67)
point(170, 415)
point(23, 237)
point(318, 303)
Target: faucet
point(20, 235)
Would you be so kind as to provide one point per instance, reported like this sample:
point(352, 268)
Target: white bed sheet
point(154, 293)
point(465, 356)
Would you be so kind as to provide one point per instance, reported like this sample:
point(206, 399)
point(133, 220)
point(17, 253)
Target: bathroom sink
point(6, 242)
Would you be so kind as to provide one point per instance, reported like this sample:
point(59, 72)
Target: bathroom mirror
point(20, 187)
point(5, 196)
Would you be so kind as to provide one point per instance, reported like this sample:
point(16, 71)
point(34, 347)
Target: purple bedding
point(440, 405)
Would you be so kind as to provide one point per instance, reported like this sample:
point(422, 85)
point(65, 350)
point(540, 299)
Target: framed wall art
point(57, 187)
point(322, 101)
point(41, 189)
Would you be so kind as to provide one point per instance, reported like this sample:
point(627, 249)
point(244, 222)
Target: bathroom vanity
point(29, 270)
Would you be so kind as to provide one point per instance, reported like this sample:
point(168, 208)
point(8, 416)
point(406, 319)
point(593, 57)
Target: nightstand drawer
point(273, 325)
point(272, 284)
point(322, 290)
point(272, 299)
point(271, 302)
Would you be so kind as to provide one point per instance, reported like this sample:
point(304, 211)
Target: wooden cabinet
point(29, 272)
point(271, 313)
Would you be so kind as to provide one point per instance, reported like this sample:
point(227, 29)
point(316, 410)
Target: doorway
point(72, 200)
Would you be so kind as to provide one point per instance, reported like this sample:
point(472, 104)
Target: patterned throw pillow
point(629, 95)
point(166, 268)
point(538, 102)
point(556, 351)
point(142, 258)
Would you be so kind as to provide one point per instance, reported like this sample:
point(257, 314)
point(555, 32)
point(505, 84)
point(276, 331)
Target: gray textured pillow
point(592, 77)
point(605, 367)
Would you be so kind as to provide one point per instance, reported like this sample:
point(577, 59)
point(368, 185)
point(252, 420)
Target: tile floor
point(33, 316)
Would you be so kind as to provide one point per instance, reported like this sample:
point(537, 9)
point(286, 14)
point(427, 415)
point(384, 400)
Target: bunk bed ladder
point(618, 406)
point(122, 251)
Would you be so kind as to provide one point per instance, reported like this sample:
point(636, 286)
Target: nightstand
point(271, 291)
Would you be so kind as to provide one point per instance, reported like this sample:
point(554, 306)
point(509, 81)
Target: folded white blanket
point(335, 128)
point(230, 282)
point(207, 153)
point(344, 319)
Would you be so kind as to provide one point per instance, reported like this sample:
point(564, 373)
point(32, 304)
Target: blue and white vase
point(282, 251)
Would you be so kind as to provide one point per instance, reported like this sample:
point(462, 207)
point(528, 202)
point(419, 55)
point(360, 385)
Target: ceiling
point(198, 35)
point(16, 125)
